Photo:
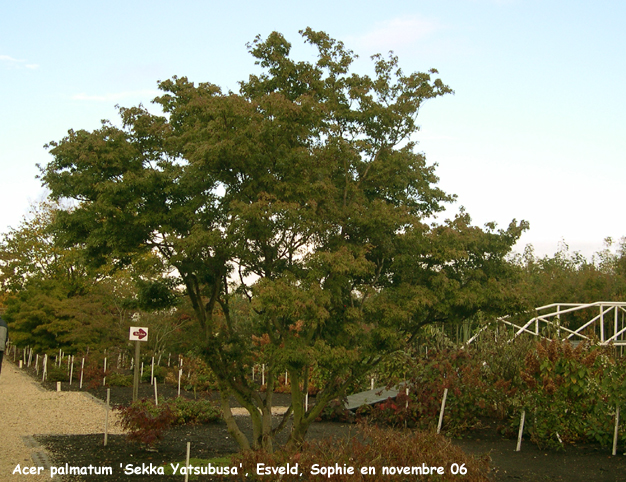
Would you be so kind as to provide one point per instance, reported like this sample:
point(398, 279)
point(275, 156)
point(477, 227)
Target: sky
point(534, 130)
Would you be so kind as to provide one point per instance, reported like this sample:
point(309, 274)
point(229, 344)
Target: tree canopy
point(302, 195)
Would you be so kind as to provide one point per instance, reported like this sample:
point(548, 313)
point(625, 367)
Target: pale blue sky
point(534, 130)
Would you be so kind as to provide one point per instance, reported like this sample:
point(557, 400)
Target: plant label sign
point(138, 333)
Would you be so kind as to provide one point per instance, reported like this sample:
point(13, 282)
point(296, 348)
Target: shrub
point(57, 374)
point(145, 422)
point(571, 394)
point(194, 411)
point(370, 447)
point(116, 379)
point(160, 373)
point(336, 411)
point(459, 372)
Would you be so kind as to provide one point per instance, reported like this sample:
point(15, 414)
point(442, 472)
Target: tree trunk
point(233, 428)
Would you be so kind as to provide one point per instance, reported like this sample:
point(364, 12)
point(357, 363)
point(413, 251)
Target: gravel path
point(27, 409)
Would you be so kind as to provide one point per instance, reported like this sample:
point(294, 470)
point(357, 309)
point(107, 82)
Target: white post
point(252, 372)
point(104, 380)
point(187, 462)
point(615, 432)
point(263, 374)
point(372, 383)
point(615, 323)
point(37, 364)
point(169, 357)
point(156, 397)
point(45, 367)
point(180, 374)
point(152, 372)
point(71, 370)
point(141, 374)
point(82, 368)
point(443, 407)
point(20, 364)
point(58, 386)
point(521, 431)
point(106, 418)
point(306, 402)
point(406, 406)
point(286, 377)
point(602, 323)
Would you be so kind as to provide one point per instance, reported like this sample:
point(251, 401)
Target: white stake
point(58, 386)
point(406, 406)
point(141, 373)
point(45, 367)
point(252, 372)
point(616, 429)
point(306, 402)
point(82, 368)
point(443, 407)
point(180, 374)
point(37, 365)
point(156, 397)
point(521, 431)
point(104, 380)
point(286, 377)
point(20, 364)
point(187, 462)
point(152, 372)
point(106, 418)
point(372, 384)
point(71, 370)
point(263, 375)
point(169, 356)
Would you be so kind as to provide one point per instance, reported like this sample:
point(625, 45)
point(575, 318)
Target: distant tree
point(53, 300)
point(29, 251)
point(572, 278)
point(307, 189)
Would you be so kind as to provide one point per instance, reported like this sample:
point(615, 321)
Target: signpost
point(137, 334)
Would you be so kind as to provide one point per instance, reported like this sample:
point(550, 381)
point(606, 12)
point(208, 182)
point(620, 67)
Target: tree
point(54, 301)
point(306, 188)
point(29, 251)
point(569, 277)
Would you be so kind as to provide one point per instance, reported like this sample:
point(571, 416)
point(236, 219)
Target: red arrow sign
point(140, 334)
